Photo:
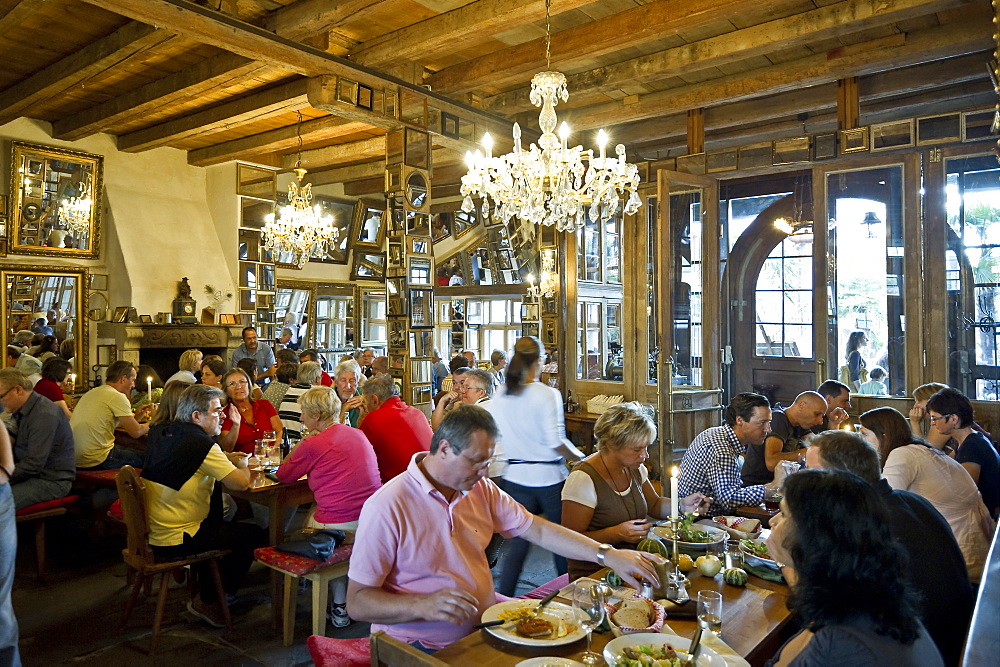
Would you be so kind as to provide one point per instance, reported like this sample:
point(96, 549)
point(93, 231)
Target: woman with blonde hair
point(342, 472)
point(190, 363)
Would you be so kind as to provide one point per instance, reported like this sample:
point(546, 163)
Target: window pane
point(769, 340)
point(798, 340)
point(769, 307)
point(798, 307)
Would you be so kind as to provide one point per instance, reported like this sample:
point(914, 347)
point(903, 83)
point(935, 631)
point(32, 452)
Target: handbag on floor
point(316, 544)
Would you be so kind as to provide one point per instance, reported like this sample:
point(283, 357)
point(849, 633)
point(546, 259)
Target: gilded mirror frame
point(82, 337)
point(25, 224)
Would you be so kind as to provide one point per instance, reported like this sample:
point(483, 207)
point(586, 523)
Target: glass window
point(784, 300)
point(685, 218)
point(972, 274)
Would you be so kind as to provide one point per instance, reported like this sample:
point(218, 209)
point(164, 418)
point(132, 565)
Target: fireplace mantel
point(131, 338)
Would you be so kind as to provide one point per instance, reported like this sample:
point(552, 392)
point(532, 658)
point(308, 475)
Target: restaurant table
point(277, 498)
point(580, 430)
point(755, 623)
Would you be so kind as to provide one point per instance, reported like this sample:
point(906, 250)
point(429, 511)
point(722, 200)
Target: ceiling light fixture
point(549, 184)
point(297, 227)
point(74, 212)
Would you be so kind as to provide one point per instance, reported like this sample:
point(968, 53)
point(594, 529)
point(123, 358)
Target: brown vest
point(612, 509)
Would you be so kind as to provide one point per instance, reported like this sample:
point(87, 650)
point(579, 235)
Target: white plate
point(757, 561)
point(719, 535)
point(554, 612)
point(549, 662)
point(706, 656)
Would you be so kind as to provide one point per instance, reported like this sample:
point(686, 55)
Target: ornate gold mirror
point(56, 201)
point(30, 293)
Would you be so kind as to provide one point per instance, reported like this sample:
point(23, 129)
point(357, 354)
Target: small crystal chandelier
point(549, 184)
point(74, 212)
point(297, 227)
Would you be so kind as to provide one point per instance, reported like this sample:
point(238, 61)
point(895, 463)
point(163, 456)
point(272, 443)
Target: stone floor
point(74, 617)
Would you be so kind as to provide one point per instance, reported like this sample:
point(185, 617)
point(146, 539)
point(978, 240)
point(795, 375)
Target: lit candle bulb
point(488, 144)
point(564, 133)
point(602, 141)
point(847, 426)
point(149, 388)
point(674, 474)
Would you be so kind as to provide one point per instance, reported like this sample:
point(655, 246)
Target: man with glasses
point(710, 465)
point(452, 397)
point(43, 444)
point(477, 387)
point(419, 570)
point(98, 413)
point(347, 375)
point(184, 508)
point(262, 354)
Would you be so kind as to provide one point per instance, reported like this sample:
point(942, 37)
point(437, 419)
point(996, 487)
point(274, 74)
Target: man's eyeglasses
point(219, 411)
point(479, 465)
point(934, 419)
point(4, 395)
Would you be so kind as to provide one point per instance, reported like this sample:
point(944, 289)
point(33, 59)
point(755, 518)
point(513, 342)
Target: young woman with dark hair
point(846, 576)
point(532, 448)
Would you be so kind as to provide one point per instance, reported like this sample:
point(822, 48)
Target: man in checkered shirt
point(711, 466)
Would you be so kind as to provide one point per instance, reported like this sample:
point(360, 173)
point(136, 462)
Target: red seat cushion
point(47, 505)
point(116, 510)
point(299, 565)
point(331, 652)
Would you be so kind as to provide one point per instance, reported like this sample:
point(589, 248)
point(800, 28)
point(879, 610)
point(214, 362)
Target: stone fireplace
point(161, 345)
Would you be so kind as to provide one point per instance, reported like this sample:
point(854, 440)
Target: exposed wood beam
point(305, 18)
point(78, 67)
point(185, 84)
point(454, 30)
point(928, 76)
point(696, 131)
point(355, 172)
point(16, 14)
point(848, 104)
point(280, 139)
point(959, 38)
point(785, 33)
point(329, 155)
point(210, 27)
point(632, 27)
point(238, 111)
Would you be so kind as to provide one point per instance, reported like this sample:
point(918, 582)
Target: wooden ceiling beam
point(207, 26)
point(16, 14)
point(79, 66)
point(272, 141)
point(306, 18)
point(183, 85)
point(459, 28)
point(954, 39)
point(785, 33)
point(330, 155)
point(238, 111)
point(631, 27)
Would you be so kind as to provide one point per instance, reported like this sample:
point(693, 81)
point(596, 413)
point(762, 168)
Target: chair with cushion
point(38, 513)
point(389, 652)
point(320, 573)
point(139, 556)
point(333, 652)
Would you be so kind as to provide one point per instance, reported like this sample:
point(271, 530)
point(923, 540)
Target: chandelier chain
point(548, 35)
point(298, 135)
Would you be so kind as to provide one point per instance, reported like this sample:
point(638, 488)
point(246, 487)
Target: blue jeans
point(545, 500)
point(121, 456)
point(9, 655)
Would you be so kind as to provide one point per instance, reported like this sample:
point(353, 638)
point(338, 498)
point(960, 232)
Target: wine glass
point(588, 609)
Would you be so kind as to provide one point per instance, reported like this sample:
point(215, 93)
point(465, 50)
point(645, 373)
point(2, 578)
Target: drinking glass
point(710, 611)
point(588, 608)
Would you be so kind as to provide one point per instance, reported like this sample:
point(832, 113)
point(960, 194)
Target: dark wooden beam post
point(696, 131)
point(848, 103)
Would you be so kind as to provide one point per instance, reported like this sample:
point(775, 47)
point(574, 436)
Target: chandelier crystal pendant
point(550, 183)
point(297, 226)
point(74, 212)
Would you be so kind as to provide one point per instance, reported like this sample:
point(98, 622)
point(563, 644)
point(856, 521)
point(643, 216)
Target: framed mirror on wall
point(55, 201)
point(30, 293)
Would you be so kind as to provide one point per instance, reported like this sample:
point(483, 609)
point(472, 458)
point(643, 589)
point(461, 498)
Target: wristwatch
point(602, 551)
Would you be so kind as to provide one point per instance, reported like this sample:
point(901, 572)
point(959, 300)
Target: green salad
point(687, 532)
point(757, 548)
point(645, 655)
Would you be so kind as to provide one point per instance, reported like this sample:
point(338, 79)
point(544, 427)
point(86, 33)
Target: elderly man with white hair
point(346, 377)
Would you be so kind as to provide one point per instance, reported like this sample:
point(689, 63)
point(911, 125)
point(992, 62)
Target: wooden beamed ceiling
point(241, 79)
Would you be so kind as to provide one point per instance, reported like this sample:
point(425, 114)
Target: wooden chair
point(139, 556)
point(38, 513)
point(389, 652)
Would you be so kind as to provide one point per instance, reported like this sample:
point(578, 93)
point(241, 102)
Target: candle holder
point(676, 582)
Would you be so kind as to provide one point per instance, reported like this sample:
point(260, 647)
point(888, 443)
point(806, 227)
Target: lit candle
point(488, 144)
point(674, 473)
point(149, 388)
point(602, 141)
point(72, 379)
point(847, 426)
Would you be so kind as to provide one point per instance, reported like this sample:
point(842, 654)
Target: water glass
point(588, 609)
point(710, 611)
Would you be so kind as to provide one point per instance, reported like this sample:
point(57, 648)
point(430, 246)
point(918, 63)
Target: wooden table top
point(754, 625)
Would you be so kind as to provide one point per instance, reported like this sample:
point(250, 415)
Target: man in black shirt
point(838, 404)
point(784, 442)
point(936, 566)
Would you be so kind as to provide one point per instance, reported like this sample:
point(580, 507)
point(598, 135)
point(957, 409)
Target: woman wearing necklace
point(608, 496)
point(246, 420)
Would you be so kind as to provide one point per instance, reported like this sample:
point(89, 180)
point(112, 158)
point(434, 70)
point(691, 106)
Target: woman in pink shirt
point(343, 473)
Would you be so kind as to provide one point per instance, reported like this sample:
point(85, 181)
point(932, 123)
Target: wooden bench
point(38, 513)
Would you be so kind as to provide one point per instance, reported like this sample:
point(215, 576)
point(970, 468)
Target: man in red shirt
point(396, 430)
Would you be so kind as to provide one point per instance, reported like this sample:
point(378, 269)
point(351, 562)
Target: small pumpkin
point(612, 579)
point(652, 545)
point(736, 576)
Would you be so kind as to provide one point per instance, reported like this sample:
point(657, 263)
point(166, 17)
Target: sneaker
point(205, 612)
point(337, 615)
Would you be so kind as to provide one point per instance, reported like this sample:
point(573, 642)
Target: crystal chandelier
point(297, 227)
point(74, 212)
point(549, 183)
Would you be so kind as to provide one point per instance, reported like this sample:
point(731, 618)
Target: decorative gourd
point(735, 576)
point(613, 580)
point(651, 545)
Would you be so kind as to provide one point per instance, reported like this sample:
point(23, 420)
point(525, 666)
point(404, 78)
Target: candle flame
point(675, 472)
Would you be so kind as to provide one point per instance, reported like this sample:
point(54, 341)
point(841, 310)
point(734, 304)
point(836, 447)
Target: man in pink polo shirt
point(419, 569)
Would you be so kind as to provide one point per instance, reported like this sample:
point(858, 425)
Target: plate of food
point(656, 649)
point(549, 661)
point(755, 554)
point(555, 625)
point(739, 526)
point(690, 536)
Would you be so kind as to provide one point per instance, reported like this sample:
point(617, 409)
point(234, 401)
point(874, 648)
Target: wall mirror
point(294, 309)
point(32, 292)
point(334, 323)
point(416, 191)
point(56, 207)
point(253, 181)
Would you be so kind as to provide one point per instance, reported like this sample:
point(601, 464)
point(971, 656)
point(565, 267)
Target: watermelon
point(735, 576)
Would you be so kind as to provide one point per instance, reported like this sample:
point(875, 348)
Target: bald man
point(784, 442)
